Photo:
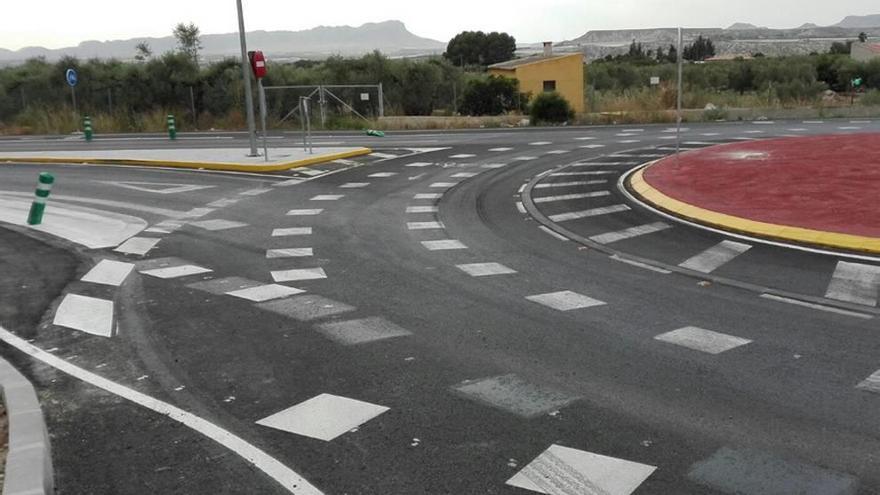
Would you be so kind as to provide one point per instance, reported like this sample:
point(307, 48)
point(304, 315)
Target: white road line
point(305, 212)
point(422, 209)
point(629, 233)
point(500, 149)
point(640, 265)
point(86, 314)
point(324, 417)
point(313, 172)
point(550, 185)
point(465, 175)
point(254, 192)
point(629, 141)
point(109, 272)
point(263, 293)
point(292, 231)
point(558, 152)
point(522, 188)
point(424, 225)
point(289, 253)
point(286, 477)
point(819, 307)
point(540, 143)
point(419, 164)
point(137, 245)
point(443, 245)
point(354, 185)
point(871, 384)
point(575, 215)
point(604, 164)
point(462, 155)
point(386, 156)
point(485, 269)
point(428, 196)
point(383, 175)
point(443, 185)
point(592, 146)
point(567, 197)
point(565, 471)
point(218, 224)
point(715, 257)
point(565, 300)
point(525, 158)
point(361, 331)
point(222, 203)
point(703, 340)
point(855, 282)
point(553, 233)
point(176, 271)
point(574, 174)
point(814, 122)
point(298, 275)
point(328, 197)
point(585, 138)
point(493, 165)
point(521, 208)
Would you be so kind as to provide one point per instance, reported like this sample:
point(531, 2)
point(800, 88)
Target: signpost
point(72, 79)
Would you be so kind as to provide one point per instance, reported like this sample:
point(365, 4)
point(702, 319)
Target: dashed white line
point(328, 197)
point(428, 196)
point(422, 209)
point(485, 269)
point(305, 212)
point(699, 339)
point(424, 225)
point(565, 300)
point(177, 271)
point(292, 231)
point(443, 185)
point(86, 314)
point(137, 245)
point(500, 149)
point(354, 185)
point(521, 208)
point(324, 417)
point(464, 175)
point(419, 164)
point(263, 293)
point(819, 307)
point(382, 175)
point(594, 212)
point(462, 155)
point(109, 272)
point(299, 274)
point(443, 245)
point(629, 233)
point(855, 282)
point(715, 257)
point(289, 253)
point(567, 197)
point(551, 185)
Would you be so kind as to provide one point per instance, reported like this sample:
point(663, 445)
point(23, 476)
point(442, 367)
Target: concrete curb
point(29, 461)
point(657, 199)
point(218, 166)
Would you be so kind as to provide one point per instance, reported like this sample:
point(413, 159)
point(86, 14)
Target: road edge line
point(283, 475)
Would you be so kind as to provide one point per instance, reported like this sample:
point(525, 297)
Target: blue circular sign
point(71, 77)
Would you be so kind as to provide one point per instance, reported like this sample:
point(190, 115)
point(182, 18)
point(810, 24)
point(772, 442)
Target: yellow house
point(548, 72)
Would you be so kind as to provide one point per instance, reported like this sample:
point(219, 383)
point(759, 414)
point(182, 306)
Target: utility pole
point(248, 90)
point(678, 103)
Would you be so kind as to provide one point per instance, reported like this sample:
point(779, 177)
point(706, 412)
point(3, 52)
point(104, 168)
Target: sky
point(61, 23)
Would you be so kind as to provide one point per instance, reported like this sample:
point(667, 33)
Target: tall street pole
point(678, 102)
point(248, 90)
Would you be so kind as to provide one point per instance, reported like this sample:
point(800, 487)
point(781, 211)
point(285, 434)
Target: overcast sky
point(60, 23)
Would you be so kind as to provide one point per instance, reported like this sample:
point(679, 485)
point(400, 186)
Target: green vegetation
point(479, 48)
point(550, 108)
point(492, 96)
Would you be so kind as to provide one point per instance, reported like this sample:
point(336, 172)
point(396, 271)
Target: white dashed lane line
point(443, 245)
point(262, 293)
point(292, 231)
point(305, 212)
point(354, 185)
point(424, 225)
point(178, 271)
point(485, 269)
point(565, 300)
point(137, 245)
point(630, 233)
point(568, 197)
point(428, 196)
point(289, 253)
point(86, 314)
point(855, 282)
point(715, 257)
point(218, 224)
point(382, 175)
point(550, 185)
point(298, 275)
point(422, 209)
point(594, 212)
point(324, 417)
point(109, 272)
point(328, 197)
point(702, 340)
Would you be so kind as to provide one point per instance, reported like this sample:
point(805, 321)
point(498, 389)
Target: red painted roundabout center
point(818, 191)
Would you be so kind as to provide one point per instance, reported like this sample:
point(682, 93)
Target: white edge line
point(286, 477)
point(553, 233)
point(623, 189)
point(820, 307)
point(521, 208)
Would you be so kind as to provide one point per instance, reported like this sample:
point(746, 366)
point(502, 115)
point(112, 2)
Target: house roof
point(513, 64)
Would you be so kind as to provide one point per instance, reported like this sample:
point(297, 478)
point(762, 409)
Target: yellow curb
point(751, 227)
point(220, 166)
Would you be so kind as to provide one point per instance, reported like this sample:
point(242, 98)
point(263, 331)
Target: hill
point(860, 21)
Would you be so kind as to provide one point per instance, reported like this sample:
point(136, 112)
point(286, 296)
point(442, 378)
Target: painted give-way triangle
point(156, 187)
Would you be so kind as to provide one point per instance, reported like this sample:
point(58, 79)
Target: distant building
point(548, 72)
point(727, 57)
point(864, 52)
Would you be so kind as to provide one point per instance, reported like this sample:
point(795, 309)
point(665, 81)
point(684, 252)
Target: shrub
point(551, 108)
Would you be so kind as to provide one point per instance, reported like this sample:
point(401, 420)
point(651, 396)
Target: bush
point(491, 96)
point(551, 108)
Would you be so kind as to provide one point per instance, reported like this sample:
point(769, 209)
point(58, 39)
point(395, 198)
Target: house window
point(549, 86)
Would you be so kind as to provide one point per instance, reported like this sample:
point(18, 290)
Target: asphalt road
point(480, 374)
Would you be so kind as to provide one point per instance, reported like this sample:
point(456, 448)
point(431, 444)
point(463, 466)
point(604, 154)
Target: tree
point(494, 95)
point(550, 108)
point(863, 37)
point(838, 48)
point(188, 41)
point(700, 49)
point(741, 77)
point(479, 48)
point(142, 51)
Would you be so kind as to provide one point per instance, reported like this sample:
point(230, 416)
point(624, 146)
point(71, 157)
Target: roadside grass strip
point(109, 272)
point(702, 340)
point(324, 417)
point(86, 314)
point(564, 470)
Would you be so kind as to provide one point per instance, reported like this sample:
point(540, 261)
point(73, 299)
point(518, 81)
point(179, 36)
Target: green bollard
point(87, 127)
point(172, 128)
point(375, 133)
point(38, 207)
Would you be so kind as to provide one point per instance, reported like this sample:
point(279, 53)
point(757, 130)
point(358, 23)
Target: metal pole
point(110, 100)
point(308, 125)
point(323, 101)
point(192, 105)
point(302, 120)
point(262, 94)
point(381, 101)
point(248, 90)
point(678, 104)
point(73, 95)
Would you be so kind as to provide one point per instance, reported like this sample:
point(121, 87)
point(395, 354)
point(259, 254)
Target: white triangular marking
point(157, 187)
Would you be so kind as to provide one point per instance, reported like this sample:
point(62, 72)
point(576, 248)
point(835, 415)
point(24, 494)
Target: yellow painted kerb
point(751, 227)
point(220, 166)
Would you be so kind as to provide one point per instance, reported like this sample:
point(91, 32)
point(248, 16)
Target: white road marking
point(592, 146)
point(553, 233)
point(444, 245)
point(522, 188)
point(424, 225)
point(137, 245)
point(443, 185)
point(638, 155)
point(540, 143)
point(558, 152)
point(500, 149)
point(493, 165)
point(109, 272)
point(575, 215)
point(298, 275)
point(512, 394)
point(754, 132)
point(428, 196)
point(292, 231)
point(703, 340)
point(579, 174)
point(859, 121)
point(86, 314)
point(383, 175)
point(565, 471)
point(218, 224)
point(386, 156)
point(641, 265)
point(289, 253)
point(715, 257)
point(525, 158)
point(604, 164)
point(264, 293)
point(311, 172)
point(324, 417)
point(328, 197)
point(465, 175)
point(855, 282)
point(550, 185)
point(710, 134)
point(485, 269)
point(871, 384)
point(291, 182)
point(422, 209)
point(305, 212)
point(849, 128)
point(176, 271)
point(814, 122)
point(463, 155)
point(565, 300)
point(419, 164)
point(284, 476)
point(254, 192)
point(157, 230)
point(567, 197)
point(220, 286)
point(361, 331)
point(354, 185)
point(586, 138)
point(629, 233)
point(797, 129)
point(629, 141)
point(820, 307)
point(521, 207)
point(156, 187)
